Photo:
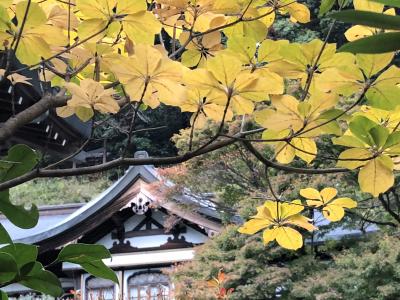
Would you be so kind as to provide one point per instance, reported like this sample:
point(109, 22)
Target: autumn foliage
point(216, 60)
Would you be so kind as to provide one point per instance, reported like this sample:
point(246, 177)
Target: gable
point(148, 231)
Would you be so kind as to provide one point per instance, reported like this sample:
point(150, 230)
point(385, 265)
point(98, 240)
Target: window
point(149, 286)
point(99, 289)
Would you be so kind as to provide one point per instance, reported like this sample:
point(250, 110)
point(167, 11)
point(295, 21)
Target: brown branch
point(119, 162)
point(386, 206)
point(371, 221)
point(9, 127)
point(271, 164)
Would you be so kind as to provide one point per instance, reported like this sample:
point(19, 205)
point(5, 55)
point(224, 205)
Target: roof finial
point(141, 154)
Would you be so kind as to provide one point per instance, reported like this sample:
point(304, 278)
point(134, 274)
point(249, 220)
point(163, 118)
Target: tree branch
point(271, 164)
point(119, 162)
point(9, 127)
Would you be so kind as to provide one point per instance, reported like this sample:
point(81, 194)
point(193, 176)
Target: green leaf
point(3, 296)
point(8, 267)
point(367, 18)
point(82, 253)
point(326, 5)
point(383, 96)
point(42, 281)
point(99, 269)
point(392, 140)
point(360, 126)
point(22, 253)
point(380, 43)
point(4, 236)
point(379, 135)
point(393, 3)
point(17, 214)
point(25, 159)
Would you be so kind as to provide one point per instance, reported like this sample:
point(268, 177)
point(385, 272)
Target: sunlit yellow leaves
point(199, 49)
point(202, 104)
point(370, 71)
point(87, 98)
point(138, 24)
point(332, 209)
point(263, 18)
point(387, 118)
point(225, 77)
point(150, 77)
point(59, 16)
point(372, 146)
point(277, 218)
point(297, 60)
point(37, 36)
point(290, 118)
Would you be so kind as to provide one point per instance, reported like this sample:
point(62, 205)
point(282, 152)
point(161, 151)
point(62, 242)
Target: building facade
point(146, 231)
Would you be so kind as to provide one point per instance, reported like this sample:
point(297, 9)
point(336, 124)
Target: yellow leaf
point(254, 225)
point(298, 12)
point(367, 5)
point(284, 153)
point(302, 221)
point(376, 176)
point(149, 74)
point(354, 158)
point(341, 81)
point(269, 50)
point(288, 238)
point(332, 210)
point(89, 96)
point(373, 63)
point(333, 213)
point(310, 193)
point(306, 148)
point(358, 32)
point(141, 27)
point(225, 68)
point(269, 235)
point(328, 194)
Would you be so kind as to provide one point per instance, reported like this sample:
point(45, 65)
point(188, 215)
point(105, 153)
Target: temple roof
point(60, 224)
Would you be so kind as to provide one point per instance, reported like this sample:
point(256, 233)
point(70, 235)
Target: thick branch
point(42, 172)
point(9, 127)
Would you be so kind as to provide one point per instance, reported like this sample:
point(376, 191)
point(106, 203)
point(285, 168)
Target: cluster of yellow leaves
point(290, 118)
point(218, 64)
point(87, 98)
point(39, 36)
point(332, 209)
point(277, 218)
point(372, 147)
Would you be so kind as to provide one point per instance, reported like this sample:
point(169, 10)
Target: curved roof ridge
point(147, 173)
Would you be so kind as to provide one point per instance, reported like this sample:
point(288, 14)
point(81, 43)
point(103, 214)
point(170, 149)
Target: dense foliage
point(226, 64)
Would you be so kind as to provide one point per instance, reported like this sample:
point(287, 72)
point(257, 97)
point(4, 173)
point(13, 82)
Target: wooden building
point(145, 230)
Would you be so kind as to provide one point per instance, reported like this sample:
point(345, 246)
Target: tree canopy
point(221, 62)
